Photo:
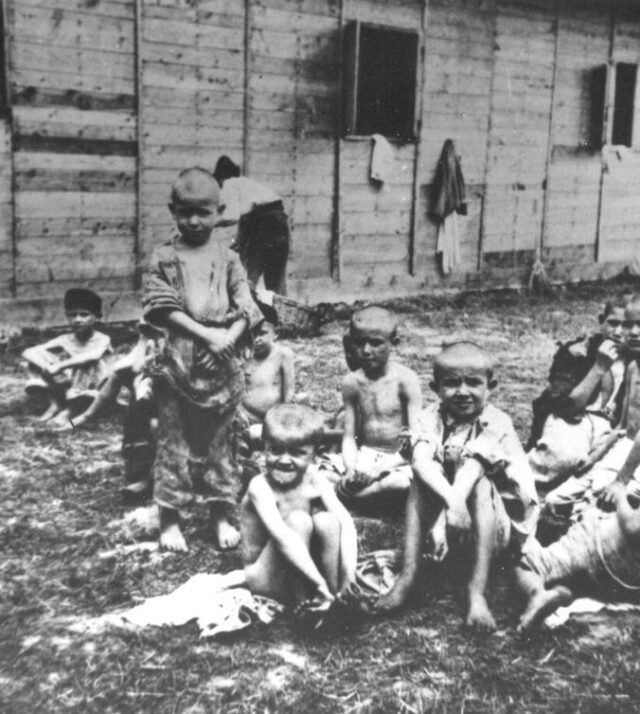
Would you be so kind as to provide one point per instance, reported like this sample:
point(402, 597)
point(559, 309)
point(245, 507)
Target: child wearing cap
point(70, 369)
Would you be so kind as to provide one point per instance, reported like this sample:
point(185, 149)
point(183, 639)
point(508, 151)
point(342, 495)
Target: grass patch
point(59, 497)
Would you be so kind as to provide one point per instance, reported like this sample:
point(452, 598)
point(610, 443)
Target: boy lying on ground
point(597, 557)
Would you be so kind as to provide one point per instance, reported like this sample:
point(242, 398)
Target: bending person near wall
point(263, 228)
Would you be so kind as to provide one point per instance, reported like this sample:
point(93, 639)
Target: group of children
point(211, 417)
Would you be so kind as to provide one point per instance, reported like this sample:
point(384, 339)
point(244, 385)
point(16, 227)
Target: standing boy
point(197, 290)
point(70, 368)
point(471, 477)
point(298, 541)
point(382, 399)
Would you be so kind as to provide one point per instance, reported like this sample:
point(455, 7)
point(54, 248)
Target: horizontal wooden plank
point(33, 269)
point(179, 33)
point(37, 161)
point(63, 27)
point(156, 99)
point(190, 56)
point(94, 181)
point(123, 9)
point(35, 204)
point(85, 100)
point(48, 289)
point(85, 246)
point(73, 145)
point(73, 228)
point(37, 56)
point(57, 82)
point(76, 123)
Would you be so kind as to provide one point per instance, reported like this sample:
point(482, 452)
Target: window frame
point(351, 45)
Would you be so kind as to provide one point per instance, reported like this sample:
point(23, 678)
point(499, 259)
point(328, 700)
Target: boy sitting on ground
point(298, 541)
point(269, 380)
point(573, 417)
point(471, 478)
point(141, 420)
point(382, 401)
point(597, 557)
point(617, 472)
point(70, 369)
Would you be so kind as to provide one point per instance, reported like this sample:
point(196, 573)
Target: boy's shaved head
point(461, 355)
point(374, 317)
point(196, 185)
point(633, 306)
point(293, 424)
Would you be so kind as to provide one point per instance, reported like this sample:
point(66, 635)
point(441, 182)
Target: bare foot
point(227, 536)
point(541, 605)
point(49, 413)
point(394, 599)
point(479, 616)
point(171, 538)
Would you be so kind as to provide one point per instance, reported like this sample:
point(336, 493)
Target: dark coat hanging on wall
point(448, 188)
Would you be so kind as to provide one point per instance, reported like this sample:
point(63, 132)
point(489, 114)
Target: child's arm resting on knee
point(286, 540)
point(349, 445)
point(431, 474)
point(348, 535)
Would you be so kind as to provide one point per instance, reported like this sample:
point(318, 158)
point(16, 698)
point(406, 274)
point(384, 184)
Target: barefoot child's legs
point(485, 507)
point(421, 512)
point(192, 458)
point(540, 602)
point(271, 575)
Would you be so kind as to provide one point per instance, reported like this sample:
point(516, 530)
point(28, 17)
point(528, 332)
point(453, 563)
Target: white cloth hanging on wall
point(448, 242)
point(381, 159)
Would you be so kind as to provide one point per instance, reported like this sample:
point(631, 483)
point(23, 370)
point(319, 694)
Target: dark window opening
point(612, 104)
point(380, 81)
point(622, 131)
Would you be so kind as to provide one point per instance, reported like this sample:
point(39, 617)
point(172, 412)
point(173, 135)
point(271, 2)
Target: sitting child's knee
point(300, 522)
point(325, 524)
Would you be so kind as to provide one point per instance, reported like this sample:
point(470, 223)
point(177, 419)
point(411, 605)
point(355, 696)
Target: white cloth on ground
point(203, 598)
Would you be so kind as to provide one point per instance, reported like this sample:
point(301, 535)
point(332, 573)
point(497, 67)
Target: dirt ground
point(60, 506)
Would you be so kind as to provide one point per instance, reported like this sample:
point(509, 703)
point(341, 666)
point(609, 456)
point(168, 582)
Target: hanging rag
point(448, 203)
point(381, 159)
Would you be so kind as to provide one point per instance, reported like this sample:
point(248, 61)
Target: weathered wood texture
point(375, 220)
point(72, 69)
point(6, 212)
point(293, 104)
point(191, 108)
point(108, 104)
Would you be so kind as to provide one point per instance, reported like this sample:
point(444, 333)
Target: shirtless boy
point(382, 400)
point(471, 478)
point(298, 541)
point(270, 380)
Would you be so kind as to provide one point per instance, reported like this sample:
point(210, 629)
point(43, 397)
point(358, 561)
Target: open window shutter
point(626, 75)
point(351, 47)
point(597, 127)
